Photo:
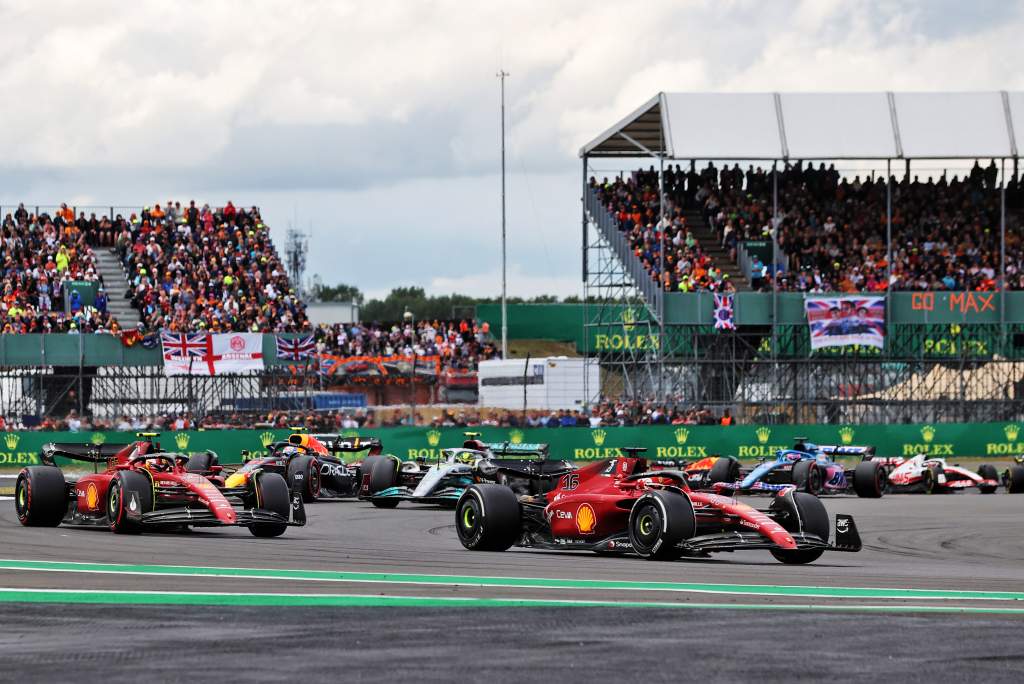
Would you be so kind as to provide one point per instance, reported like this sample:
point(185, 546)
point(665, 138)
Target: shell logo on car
point(586, 519)
point(92, 496)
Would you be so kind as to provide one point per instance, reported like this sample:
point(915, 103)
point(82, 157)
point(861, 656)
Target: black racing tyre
point(40, 496)
point(271, 492)
point(201, 463)
point(487, 518)
point(803, 513)
point(304, 477)
point(386, 502)
point(988, 472)
point(128, 489)
point(869, 479)
point(384, 475)
point(1013, 479)
point(930, 480)
point(365, 469)
point(658, 522)
point(807, 476)
point(725, 469)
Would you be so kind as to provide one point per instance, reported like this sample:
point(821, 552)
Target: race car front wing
point(203, 517)
point(847, 539)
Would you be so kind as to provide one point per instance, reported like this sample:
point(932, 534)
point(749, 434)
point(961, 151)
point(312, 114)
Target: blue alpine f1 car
point(812, 468)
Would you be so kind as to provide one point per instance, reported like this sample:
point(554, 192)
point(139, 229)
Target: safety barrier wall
point(998, 441)
point(93, 350)
point(564, 322)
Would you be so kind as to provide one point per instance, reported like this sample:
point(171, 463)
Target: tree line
point(416, 301)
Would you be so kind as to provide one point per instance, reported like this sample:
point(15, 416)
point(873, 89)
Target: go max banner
point(998, 441)
point(844, 321)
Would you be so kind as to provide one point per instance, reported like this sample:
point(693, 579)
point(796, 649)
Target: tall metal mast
point(502, 74)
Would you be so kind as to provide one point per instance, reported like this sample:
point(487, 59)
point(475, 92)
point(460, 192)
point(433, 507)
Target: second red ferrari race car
point(141, 488)
point(618, 505)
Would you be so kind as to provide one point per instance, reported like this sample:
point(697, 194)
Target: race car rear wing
point(519, 451)
point(340, 444)
point(88, 453)
point(846, 450)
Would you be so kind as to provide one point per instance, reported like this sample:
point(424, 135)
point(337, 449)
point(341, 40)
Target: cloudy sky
point(375, 124)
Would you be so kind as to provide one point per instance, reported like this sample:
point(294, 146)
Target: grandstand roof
point(768, 126)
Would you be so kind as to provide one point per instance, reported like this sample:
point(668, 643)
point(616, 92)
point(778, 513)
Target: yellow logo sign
point(266, 438)
point(11, 440)
point(763, 434)
point(350, 433)
point(181, 439)
point(1011, 431)
point(98, 438)
point(682, 434)
point(516, 436)
point(628, 319)
point(598, 436)
point(434, 437)
point(846, 435)
point(586, 519)
point(92, 496)
point(928, 433)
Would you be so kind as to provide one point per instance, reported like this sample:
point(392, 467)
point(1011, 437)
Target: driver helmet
point(290, 451)
point(467, 457)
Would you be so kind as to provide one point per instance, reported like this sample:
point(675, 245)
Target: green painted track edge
point(511, 582)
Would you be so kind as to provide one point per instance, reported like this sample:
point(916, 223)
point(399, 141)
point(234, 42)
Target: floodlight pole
point(502, 74)
point(775, 259)
point(1002, 250)
point(888, 225)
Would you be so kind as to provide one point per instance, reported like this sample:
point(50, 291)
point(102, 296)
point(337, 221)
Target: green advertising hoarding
point(995, 440)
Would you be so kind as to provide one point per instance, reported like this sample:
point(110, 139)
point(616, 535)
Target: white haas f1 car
point(931, 475)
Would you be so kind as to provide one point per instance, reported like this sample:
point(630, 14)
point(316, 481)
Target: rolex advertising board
point(749, 442)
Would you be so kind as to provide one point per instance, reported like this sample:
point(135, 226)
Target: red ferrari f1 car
point(618, 505)
point(143, 488)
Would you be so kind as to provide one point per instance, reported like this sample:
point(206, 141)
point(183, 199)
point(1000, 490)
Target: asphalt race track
point(938, 592)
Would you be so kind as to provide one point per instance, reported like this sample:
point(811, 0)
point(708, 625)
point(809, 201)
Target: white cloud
point(380, 120)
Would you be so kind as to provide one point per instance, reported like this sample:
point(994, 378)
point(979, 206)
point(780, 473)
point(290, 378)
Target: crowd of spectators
point(606, 414)
point(685, 265)
point(830, 229)
point(461, 344)
point(42, 254)
point(195, 268)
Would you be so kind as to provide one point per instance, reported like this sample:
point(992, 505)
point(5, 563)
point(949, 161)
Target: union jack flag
point(723, 313)
point(295, 350)
point(183, 345)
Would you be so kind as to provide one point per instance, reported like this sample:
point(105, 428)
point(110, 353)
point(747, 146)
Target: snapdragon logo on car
point(928, 446)
point(762, 449)
point(1010, 447)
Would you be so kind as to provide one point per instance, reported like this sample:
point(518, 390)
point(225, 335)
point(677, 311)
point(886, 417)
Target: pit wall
point(994, 440)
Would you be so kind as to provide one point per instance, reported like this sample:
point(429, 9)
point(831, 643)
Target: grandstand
point(803, 219)
point(125, 274)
